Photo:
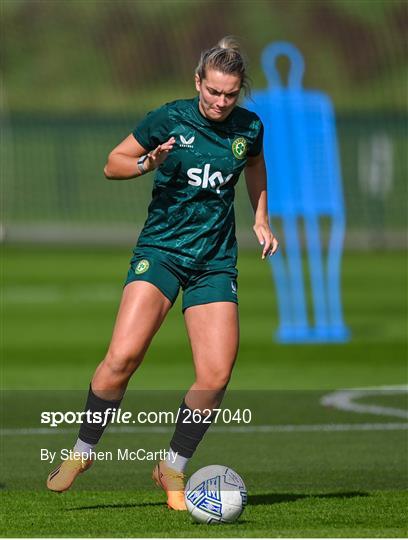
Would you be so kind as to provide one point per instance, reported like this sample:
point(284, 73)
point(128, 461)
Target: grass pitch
point(303, 479)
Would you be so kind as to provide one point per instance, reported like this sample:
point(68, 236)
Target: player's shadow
point(255, 500)
point(119, 505)
point(275, 498)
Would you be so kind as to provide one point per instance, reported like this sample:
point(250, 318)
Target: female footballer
point(198, 148)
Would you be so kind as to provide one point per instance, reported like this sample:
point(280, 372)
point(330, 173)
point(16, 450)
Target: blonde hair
point(226, 57)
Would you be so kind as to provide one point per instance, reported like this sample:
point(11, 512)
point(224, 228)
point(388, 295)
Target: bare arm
point(122, 161)
point(255, 176)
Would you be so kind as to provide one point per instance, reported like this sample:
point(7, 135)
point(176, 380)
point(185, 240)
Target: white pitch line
point(288, 428)
point(344, 400)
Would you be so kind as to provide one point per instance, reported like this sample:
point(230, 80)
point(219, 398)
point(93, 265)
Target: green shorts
point(199, 286)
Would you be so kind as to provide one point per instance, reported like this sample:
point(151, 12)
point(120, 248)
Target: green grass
point(136, 513)
point(58, 308)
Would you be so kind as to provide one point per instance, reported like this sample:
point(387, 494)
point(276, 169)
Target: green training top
point(191, 217)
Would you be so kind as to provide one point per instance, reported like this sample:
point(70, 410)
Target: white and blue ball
point(215, 494)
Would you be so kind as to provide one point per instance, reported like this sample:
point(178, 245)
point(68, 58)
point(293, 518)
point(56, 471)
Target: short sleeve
point(153, 129)
point(256, 148)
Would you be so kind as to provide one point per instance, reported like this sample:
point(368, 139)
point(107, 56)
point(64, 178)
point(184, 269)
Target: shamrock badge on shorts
point(142, 266)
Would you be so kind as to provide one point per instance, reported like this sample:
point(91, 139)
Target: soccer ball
point(215, 494)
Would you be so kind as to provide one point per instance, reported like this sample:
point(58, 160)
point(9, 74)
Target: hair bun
point(229, 42)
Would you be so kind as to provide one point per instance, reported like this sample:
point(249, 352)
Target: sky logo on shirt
point(187, 143)
point(204, 178)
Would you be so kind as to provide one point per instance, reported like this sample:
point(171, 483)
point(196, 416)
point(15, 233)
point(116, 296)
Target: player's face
point(219, 93)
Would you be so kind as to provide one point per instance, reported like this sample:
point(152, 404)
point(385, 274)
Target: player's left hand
point(266, 238)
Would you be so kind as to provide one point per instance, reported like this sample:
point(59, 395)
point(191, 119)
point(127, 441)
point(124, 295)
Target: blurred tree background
point(77, 75)
point(109, 56)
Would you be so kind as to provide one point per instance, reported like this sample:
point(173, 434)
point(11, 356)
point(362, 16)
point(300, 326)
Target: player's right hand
point(159, 154)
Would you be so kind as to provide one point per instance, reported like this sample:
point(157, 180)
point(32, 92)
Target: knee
point(120, 362)
point(216, 380)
